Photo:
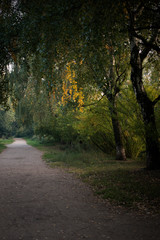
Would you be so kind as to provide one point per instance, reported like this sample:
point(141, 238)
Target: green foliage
point(132, 124)
point(7, 119)
point(90, 37)
point(3, 143)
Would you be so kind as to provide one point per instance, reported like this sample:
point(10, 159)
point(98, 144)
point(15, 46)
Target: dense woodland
point(82, 73)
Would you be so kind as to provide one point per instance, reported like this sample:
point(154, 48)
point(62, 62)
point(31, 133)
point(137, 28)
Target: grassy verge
point(123, 183)
point(37, 144)
point(3, 142)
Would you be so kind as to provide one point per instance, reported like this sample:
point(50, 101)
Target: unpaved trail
point(40, 203)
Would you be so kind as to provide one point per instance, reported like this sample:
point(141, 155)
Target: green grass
point(3, 143)
point(122, 183)
point(41, 146)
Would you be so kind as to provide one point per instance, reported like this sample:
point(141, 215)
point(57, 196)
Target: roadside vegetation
point(124, 183)
point(3, 143)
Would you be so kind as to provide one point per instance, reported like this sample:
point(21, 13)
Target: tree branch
point(147, 28)
point(148, 44)
point(94, 103)
point(120, 76)
point(156, 100)
point(139, 8)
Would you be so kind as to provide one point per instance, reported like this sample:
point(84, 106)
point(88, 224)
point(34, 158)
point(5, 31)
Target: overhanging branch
point(148, 44)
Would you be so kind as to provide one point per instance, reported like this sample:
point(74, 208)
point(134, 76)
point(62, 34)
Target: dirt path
point(39, 203)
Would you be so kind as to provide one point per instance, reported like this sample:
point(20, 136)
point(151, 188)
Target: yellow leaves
point(108, 47)
point(125, 11)
point(71, 93)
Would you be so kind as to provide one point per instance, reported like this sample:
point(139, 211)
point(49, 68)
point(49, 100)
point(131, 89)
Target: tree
point(51, 34)
point(143, 28)
point(109, 75)
point(103, 52)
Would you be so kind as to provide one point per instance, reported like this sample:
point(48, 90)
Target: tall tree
point(143, 28)
point(53, 30)
point(109, 73)
point(102, 51)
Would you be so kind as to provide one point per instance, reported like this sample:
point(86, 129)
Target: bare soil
point(40, 203)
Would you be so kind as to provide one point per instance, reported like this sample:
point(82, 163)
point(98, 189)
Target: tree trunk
point(111, 93)
point(147, 108)
point(151, 134)
point(120, 151)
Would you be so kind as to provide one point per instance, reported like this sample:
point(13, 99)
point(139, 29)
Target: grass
point(3, 143)
point(41, 146)
point(122, 183)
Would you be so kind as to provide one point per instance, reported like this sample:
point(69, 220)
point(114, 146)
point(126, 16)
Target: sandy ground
point(40, 203)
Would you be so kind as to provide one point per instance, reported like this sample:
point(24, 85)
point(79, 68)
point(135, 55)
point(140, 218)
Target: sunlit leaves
point(71, 93)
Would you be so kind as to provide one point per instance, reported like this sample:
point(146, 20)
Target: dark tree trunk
point(120, 151)
point(147, 108)
point(151, 134)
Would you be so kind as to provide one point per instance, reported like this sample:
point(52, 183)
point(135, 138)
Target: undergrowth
point(3, 143)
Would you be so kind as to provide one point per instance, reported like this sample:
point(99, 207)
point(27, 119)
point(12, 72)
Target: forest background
point(83, 74)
